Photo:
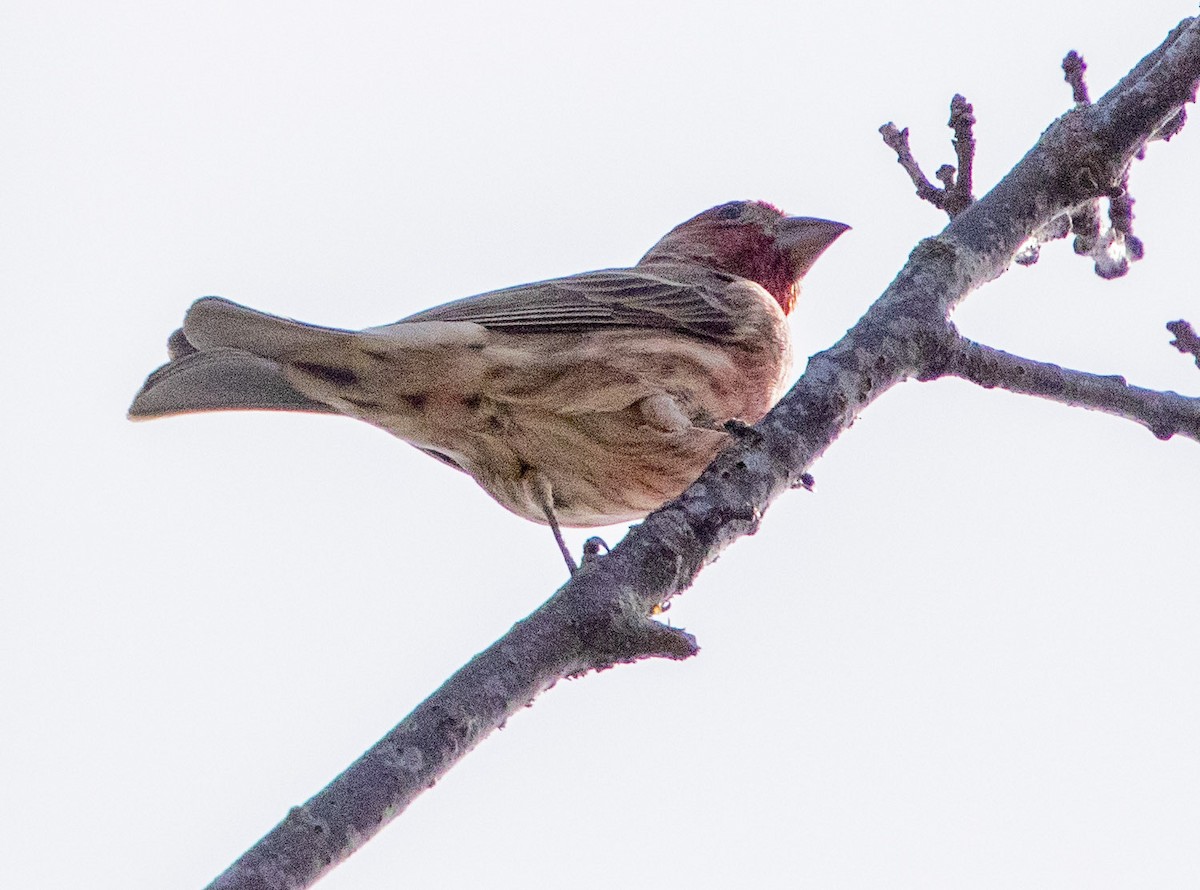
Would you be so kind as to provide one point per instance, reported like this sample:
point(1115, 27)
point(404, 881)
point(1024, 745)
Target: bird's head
point(751, 239)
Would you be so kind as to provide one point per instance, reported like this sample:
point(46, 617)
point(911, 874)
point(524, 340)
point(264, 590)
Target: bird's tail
point(218, 379)
point(227, 357)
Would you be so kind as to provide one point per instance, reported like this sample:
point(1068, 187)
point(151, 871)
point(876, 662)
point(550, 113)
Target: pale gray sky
point(968, 659)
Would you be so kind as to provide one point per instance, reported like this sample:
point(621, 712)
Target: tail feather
point(230, 357)
point(213, 321)
point(217, 379)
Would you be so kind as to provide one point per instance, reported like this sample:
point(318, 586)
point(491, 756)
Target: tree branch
point(1074, 69)
point(566, 637)
point(599, 618)
point(1186, 340)
point(1163, 413)
point(954, 196)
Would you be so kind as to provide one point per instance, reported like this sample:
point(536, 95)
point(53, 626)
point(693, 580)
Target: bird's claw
point(743, 431)
point(591, 550)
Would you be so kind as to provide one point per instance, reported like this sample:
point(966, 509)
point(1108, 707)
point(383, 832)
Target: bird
point(579, 401)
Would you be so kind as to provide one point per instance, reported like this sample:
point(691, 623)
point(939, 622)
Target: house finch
point(577, 401)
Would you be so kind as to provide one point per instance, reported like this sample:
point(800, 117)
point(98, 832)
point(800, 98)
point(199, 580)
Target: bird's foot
point(591, 550)
point(742, 430)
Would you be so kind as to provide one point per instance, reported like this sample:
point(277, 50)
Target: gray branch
point(1165, 414)
point(1185, 340)
point(955, 194)
point(600, 618)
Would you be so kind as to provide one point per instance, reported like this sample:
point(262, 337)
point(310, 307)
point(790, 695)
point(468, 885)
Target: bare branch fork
point(955, 195)
point(601, 617)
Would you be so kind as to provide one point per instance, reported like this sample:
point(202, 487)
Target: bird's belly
point(597, 469)
point(606, 427)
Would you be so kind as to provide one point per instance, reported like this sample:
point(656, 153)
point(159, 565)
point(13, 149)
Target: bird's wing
point(599, 300)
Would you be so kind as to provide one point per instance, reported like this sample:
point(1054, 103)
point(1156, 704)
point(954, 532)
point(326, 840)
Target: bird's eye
point(729, 211)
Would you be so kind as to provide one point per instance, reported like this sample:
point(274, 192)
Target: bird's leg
point(546, 502)
point(562, 545)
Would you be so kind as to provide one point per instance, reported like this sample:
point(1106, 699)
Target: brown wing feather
point(597, 300)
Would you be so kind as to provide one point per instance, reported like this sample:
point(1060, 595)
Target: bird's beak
point(805, 238)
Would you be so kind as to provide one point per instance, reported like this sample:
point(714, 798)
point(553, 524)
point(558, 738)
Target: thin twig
point(897, 140)
point(1186, 340)
point(1164, 413)
point(962, 122)
point(1074, 69)
point(955, 194)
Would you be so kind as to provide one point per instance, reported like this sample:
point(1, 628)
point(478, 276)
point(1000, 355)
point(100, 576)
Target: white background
point(969, 659)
